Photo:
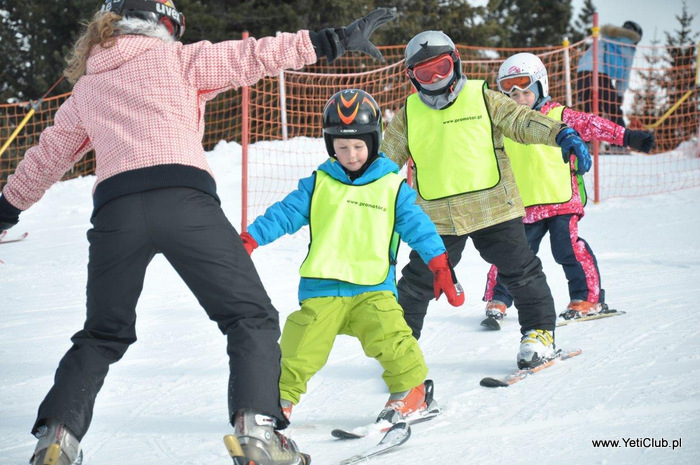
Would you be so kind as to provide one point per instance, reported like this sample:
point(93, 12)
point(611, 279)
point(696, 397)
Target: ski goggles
point(437, 68)
point(519, 81)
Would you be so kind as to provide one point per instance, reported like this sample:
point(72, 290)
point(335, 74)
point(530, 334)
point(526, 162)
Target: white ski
point(382, 426)
point(397, 435)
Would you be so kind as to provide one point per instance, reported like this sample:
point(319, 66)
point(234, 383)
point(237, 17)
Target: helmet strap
point(540, 99)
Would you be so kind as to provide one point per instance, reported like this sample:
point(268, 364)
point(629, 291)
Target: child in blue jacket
point(357, 206)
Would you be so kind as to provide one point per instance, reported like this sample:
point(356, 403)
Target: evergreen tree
point(647, 103)
point(456, 18)
point(530, 23)
point(679, 79)
point(34, 39)
point(217, 20)
point(583, 24)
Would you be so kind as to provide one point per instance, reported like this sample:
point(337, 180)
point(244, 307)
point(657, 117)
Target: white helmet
point(523, 70)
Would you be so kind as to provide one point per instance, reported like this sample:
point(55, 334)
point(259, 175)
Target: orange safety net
point(285, 117)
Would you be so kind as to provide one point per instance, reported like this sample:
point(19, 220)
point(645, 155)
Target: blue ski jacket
point(292, 213)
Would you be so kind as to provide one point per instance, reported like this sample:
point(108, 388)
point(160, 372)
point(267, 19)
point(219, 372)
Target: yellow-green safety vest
point(540, 172)
point(452, 148)
point(352, 230)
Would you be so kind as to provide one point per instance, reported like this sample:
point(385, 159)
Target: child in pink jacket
point(138, 102)
point(554, 195)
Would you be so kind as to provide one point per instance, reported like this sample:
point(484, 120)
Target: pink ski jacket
point(140, 106)
point(590, 127)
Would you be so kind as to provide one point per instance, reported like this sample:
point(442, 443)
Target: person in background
point(357, 207)
point(616, 49)
point(138, 101)
point(554, 195)
point(453, 128)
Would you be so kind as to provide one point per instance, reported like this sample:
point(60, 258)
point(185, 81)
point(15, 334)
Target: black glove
point(639, 140)
point(334, 42)
point(9, 215)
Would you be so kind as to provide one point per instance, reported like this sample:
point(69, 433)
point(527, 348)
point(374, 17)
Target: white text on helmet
point(166, 10)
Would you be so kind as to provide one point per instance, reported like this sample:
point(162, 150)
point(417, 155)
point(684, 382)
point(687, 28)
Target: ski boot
point(256, 441)
point(536, 347)
point(580, 308)
point(56, 446)
point(411, 406)
point(495, 311)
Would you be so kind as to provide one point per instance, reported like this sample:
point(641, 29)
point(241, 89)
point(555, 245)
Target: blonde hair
point(100, 31)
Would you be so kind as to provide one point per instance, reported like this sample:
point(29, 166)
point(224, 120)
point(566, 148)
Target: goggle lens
point(507, 84)
point(439, 67)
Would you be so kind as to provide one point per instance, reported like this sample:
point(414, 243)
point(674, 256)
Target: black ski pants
point(189, 228)
point(503, 245)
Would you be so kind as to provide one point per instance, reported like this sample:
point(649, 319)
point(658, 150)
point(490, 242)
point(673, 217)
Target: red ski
point(16, 239)
point(522, 374)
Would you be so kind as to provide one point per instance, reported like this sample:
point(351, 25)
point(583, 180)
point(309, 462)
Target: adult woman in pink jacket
point(138, 102)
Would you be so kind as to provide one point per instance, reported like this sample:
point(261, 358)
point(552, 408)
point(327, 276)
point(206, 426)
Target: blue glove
point(571, 144)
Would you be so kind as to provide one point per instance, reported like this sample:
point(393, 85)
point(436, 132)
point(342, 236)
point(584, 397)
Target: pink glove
point(249, 243)
point(445, 280)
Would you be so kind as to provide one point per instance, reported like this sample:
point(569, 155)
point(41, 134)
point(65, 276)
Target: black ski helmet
point(349, 113)
point(430, 44)
point(632, 26)
point(157, 11)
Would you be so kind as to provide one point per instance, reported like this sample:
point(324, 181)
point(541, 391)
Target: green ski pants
point(375, 318)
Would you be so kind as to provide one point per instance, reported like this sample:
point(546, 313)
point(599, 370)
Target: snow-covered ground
point(165, 402)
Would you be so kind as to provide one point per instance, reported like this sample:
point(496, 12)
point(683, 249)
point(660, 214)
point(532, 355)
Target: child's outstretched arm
point(591, 126)
point(284, 217)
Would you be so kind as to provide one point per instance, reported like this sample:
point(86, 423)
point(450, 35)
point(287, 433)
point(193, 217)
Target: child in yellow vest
point(356, 206)
point(554, 194)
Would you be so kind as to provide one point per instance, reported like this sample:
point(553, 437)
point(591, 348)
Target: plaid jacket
point(465, 213)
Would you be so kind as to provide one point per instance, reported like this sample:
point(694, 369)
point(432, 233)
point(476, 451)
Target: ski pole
point(20, 126)
point(35, 105)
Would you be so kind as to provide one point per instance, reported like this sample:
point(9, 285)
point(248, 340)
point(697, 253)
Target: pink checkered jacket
point(140, 106)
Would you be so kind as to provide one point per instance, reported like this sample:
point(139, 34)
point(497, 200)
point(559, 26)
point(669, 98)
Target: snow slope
point(165, 402)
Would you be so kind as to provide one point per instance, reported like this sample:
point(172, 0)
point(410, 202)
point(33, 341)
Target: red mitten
point(249, 243)
point(445, 280)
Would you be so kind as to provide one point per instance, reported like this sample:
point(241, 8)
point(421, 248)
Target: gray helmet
point(427, 45)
